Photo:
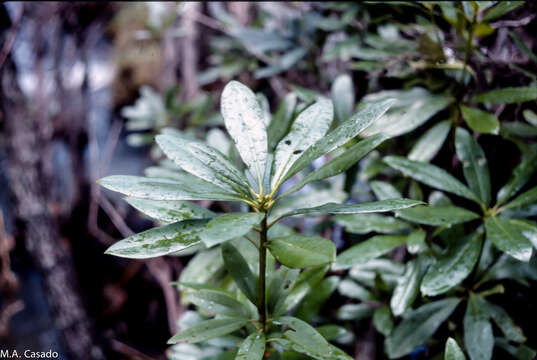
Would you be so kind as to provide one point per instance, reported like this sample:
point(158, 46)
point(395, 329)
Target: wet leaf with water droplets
point(208, 329)
point(252, 348)
point(297, 251)
point(478, 336)
point(160, 241)
point(244, 120)
point(507, 235)
point(310, 126)
point(474, 164)
point(229, 226)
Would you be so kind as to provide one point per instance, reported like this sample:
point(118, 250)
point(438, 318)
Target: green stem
point(261, 295)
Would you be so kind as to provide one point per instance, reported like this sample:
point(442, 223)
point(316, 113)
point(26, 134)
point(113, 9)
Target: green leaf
point(384, 190)
point(244, 120)
point(416, 241)
point(229, 226)
point(216, 302)
point(203, 267)
point(297, 251)
point(188, 187)
point(281, 121)
point(508, 236)
point(408, 286)
point(342, 93)
point(430, 175)
point(418, 326)
point(304, 335)
point(437, 215)
point(382, 319)
point(309, 127)
point(208, 329)
point(478, 337)
point(500, 9)
point(508, 95)
point(520, 176)
point(240, 272)
point(281, 284)
point(412, 108)
point(524, 49)
point(479, 120)
point(354, 312)
point(311, 304)
point(170, 211)
point(353, 290)
point(340, 136)
point(160, 241)
point(474, 164)
point(506, 324)
point(452, 267)
point(252, 348)
point(363, 208)
point(365, 223)
point(453, 351)
point(204, 162)
point(306, 281)
point(341, 162)
point(526, 198)
point(367, 250)
point(430, 143)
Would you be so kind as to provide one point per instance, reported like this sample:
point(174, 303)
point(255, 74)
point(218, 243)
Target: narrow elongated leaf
point(341, 135)
point(430, 175)
point(430, 143)
point(170, 211)
point(252, 348)
point(437, 215)
point(342, 162)
point(353, 290)
point(474, 164)
point(281, 284)
point(204, 162)
point(382, 319)
point(229, 226)
point(354, 312)
point(508, 95)
point(311, 304)
point(281, 121)
point(208, 329)
point(202, 267)
point(216, 302)
point(384, 190)
point(453, 267)
point(244, 120)
point(363, 208)
point(342, 93)
point(520, 176)
point(453, 351)
point(306, 281)
point(416, 241)
point(408, 286)
point(188, 187)
point(367, 250)
point(506, 324)
point(418, 327)
point(305, 336)
point(365, 223)
point(479, 120)
point(507, 235)
point(478, 336)
point(526, 198)
point(501, 8)
point(412, 108)
point(297, 251)
point(160, 241)
point(235, 264)
point(310, 126)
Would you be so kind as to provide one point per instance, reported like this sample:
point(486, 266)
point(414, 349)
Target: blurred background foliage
point(87, 86)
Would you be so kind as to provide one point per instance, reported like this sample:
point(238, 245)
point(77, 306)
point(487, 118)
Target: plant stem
point(261, 295)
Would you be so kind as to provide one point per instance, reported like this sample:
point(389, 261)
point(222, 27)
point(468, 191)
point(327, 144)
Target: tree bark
point(38, 227)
